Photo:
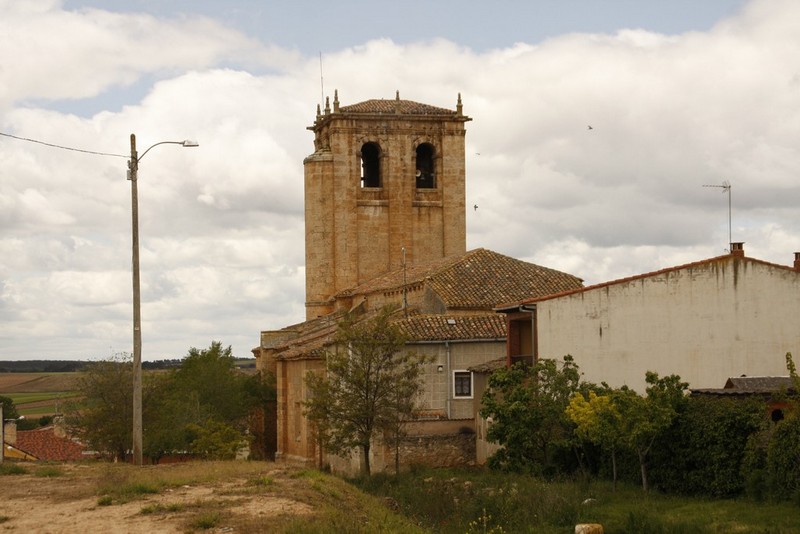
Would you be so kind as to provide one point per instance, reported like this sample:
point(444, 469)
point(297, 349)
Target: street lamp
point(133, 169)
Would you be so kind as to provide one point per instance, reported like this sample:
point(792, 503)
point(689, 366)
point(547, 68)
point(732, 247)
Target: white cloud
point(222, 224)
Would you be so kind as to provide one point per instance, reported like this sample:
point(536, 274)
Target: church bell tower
point(385, 181)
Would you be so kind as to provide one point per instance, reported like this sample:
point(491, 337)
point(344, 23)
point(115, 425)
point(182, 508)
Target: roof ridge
point(641, 276)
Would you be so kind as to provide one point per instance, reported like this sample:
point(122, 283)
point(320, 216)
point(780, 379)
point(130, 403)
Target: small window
point(370, 165)
point(426, 178)
point(462, 384)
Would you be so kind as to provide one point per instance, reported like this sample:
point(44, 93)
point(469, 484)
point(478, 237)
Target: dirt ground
point(73, 501)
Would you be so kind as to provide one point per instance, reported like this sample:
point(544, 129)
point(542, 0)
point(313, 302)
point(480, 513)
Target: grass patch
point(4, 518)
point(206, 520)
point(24, 398)
point(10, 468)
point(264, 482)
point(49, 472)
point(451, 501)
point(105, 500)
point(161, 508)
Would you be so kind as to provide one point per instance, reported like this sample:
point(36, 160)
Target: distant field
point(37, 382)
point(37, 394)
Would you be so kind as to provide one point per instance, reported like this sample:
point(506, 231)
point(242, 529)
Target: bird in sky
point(476, 207)
point(590, 127)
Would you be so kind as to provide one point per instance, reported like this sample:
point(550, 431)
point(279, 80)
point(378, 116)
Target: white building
point(705, 321)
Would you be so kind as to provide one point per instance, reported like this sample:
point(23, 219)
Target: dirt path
point(70, 503)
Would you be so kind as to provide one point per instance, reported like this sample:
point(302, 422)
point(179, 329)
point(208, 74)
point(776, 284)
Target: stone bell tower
point(385, 176)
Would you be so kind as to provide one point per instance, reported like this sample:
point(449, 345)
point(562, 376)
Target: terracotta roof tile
point(46, 446)
point(452, 328)
point(479, 279)
point(406, 107)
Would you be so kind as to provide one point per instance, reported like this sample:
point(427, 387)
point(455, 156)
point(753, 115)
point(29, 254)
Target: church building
point(386, 225)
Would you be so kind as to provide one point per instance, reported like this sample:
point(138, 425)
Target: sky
point(679, 95)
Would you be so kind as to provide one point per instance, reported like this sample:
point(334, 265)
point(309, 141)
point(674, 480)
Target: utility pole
point(133, 169)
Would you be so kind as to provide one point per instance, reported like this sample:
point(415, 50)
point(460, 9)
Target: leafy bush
point(702, 453)
point(783, 459)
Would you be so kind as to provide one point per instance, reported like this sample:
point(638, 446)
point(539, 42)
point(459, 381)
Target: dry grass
point(242, 497)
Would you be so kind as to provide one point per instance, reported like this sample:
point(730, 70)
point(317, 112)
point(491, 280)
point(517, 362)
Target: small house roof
point(45, 445)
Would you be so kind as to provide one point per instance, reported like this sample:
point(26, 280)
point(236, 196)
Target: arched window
point(370, 165)
point(426, 179)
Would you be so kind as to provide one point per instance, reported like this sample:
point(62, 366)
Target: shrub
point(702, 453)
point(783, 459)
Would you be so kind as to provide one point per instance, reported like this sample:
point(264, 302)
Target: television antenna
point(726, 188)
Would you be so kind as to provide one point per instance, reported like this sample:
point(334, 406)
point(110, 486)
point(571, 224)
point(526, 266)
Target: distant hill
point(42, 366)
point(72, 366)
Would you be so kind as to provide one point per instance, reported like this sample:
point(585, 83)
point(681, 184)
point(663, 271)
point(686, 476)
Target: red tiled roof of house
point(46, 446)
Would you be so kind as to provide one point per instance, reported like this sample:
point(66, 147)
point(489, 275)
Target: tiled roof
point(479, 279)
point(745, 386)
point(452, 328)
point(46, 446)
point(488, 367)
point(759, 383)
point(406, 107)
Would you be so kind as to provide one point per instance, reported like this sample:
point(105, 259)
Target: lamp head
point(188, 143)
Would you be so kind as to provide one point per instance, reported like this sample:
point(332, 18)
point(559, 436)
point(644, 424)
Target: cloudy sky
point(679, 94)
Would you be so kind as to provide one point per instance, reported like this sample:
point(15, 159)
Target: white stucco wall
point(707, 322)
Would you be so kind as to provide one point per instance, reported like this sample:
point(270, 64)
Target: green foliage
point(598, 420)
point(452, 501)
point(527, 406)
point(207, 391)
point(9, 468)
point(9, 408)
point(49, 472)
point(783, 459)
point(370, 385)
point(206, 520)
point(105, 417)
point(215, 440)
point(702, 453)
point(209, 378)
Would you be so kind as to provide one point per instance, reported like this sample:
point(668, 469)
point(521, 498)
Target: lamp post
point(133, 169)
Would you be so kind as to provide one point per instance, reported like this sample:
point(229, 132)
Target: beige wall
point(448, 419)
point(354, 234)
point(437, 394)
point(705, 323)
point(295, 439)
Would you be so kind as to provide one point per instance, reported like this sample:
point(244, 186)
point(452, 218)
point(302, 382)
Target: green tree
point(205, 391)
point(646, 417)
point(702, 452)
point(9, 408)
point(527, 406)
point(215, 440)
point(598, 420)
point(354, 398)
point(104, 418)
point(209, 378)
